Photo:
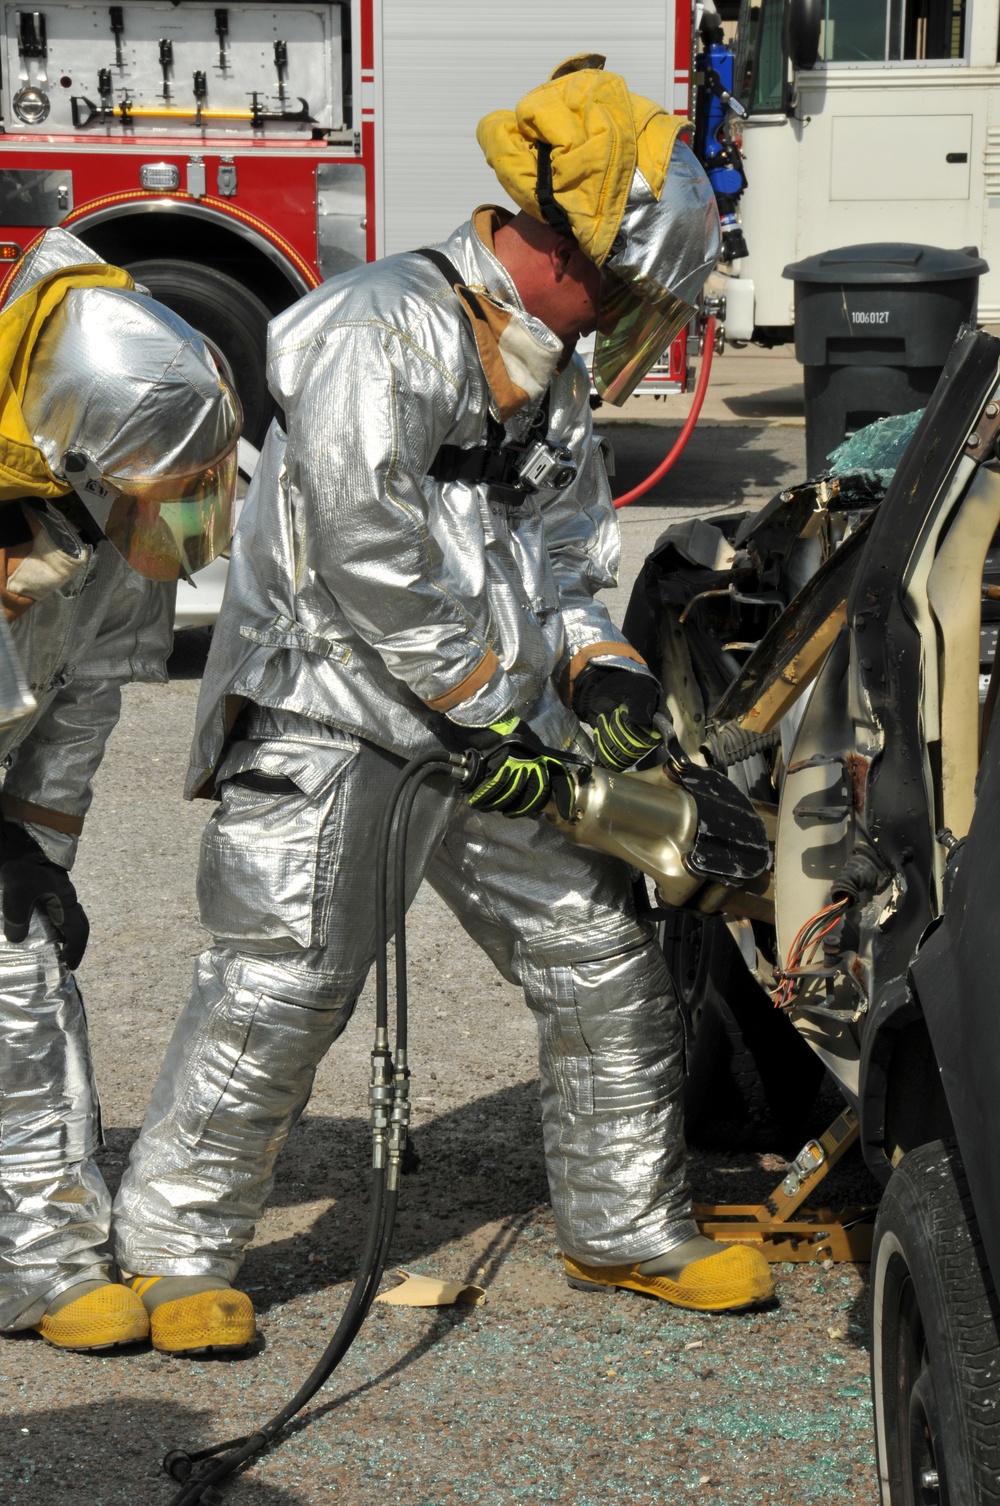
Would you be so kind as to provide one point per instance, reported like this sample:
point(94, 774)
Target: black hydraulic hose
point(388, 1096)
point(414, 767)
point(407, 797)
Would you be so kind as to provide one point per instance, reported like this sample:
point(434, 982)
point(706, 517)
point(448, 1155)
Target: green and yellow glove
point(517, 772)
point(620, 705)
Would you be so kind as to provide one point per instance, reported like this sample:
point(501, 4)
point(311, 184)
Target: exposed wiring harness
point(803, 949)
point(388, 1097)
point(708, 347)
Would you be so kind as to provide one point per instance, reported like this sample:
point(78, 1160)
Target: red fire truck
point(234, 156)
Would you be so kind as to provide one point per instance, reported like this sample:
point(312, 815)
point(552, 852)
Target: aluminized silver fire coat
point(360, 590)
point(103, 627)
point(286, 885)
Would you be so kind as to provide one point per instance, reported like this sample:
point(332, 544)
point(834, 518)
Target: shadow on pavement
point(107, 1453)
point(479, 1164)
point(776, 402)
point(732, 464)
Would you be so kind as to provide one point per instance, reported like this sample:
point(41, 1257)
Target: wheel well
point(915, 1107)
point(135, 237)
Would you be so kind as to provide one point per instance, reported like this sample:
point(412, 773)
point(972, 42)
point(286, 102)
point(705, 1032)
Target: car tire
point(231, 318)
point(935, 1347)
point(750, 1075)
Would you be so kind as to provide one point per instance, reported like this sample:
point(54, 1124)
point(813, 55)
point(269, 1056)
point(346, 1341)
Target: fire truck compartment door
point(914, 157)
point(32, 197)
point(340, 217)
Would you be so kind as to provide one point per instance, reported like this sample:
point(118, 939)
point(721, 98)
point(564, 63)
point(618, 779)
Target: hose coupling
point(178, 1464)
point(380, 1091)
point(464, 767)
point(400, 1109)
point(400, 1121)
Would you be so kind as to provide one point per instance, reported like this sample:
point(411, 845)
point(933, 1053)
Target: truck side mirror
point(804, 17)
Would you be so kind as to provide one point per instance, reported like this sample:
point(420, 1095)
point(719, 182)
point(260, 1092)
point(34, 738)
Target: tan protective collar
point(519, 354)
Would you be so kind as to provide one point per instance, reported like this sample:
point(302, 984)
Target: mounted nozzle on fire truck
point(233, 157)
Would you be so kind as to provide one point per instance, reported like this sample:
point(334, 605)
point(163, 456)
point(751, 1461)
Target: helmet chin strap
point(555, 214)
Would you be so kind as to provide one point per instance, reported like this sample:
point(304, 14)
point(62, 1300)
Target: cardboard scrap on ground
point(429, 1291)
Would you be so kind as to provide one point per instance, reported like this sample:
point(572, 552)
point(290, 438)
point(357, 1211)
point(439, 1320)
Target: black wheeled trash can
point(873, 327)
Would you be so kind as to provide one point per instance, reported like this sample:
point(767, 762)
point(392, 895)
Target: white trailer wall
point(446, 63)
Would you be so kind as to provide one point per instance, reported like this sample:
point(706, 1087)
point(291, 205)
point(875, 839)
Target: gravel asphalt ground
point(542, 1393)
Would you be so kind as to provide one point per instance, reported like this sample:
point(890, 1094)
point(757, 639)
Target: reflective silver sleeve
point(375, 548)
point(581, 528)
point(55, 764)
point(137, 628)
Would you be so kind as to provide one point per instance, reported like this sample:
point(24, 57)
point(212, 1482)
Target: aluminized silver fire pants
point(286, 885)
point(54, 1206)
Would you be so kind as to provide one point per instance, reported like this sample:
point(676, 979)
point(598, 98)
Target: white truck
point(868, 121)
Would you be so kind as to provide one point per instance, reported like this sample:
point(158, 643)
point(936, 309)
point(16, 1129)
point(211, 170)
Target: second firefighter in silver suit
point(373, 610)
point(117, 466)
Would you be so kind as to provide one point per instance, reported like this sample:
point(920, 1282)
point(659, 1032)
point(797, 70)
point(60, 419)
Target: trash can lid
point(887, 261)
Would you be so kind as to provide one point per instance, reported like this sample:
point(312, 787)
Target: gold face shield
point(164, 527)
point(633, 331)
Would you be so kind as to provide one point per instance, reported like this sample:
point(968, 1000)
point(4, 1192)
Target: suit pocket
point(265, 850)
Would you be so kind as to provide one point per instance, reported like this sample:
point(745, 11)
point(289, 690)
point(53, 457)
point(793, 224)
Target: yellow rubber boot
point(192, 1315)
point(730, 1278)
point(94, 1315)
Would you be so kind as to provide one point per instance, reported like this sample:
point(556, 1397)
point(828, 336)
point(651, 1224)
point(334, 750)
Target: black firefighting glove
point(620, 705)
point(517, 774)
point(30, 880)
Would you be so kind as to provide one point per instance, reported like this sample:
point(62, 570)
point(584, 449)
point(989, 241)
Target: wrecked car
point(835, 654)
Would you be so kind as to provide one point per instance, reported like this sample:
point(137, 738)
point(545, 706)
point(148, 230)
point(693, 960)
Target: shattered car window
point(878, 448)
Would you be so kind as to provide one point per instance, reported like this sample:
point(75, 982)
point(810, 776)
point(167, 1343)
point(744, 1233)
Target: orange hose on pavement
point(701, 388)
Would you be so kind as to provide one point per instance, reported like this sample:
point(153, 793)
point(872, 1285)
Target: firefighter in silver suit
point(395, 586)
point(117, 471)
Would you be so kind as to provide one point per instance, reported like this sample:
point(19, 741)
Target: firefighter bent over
point(417, 566)
point(117, 470)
